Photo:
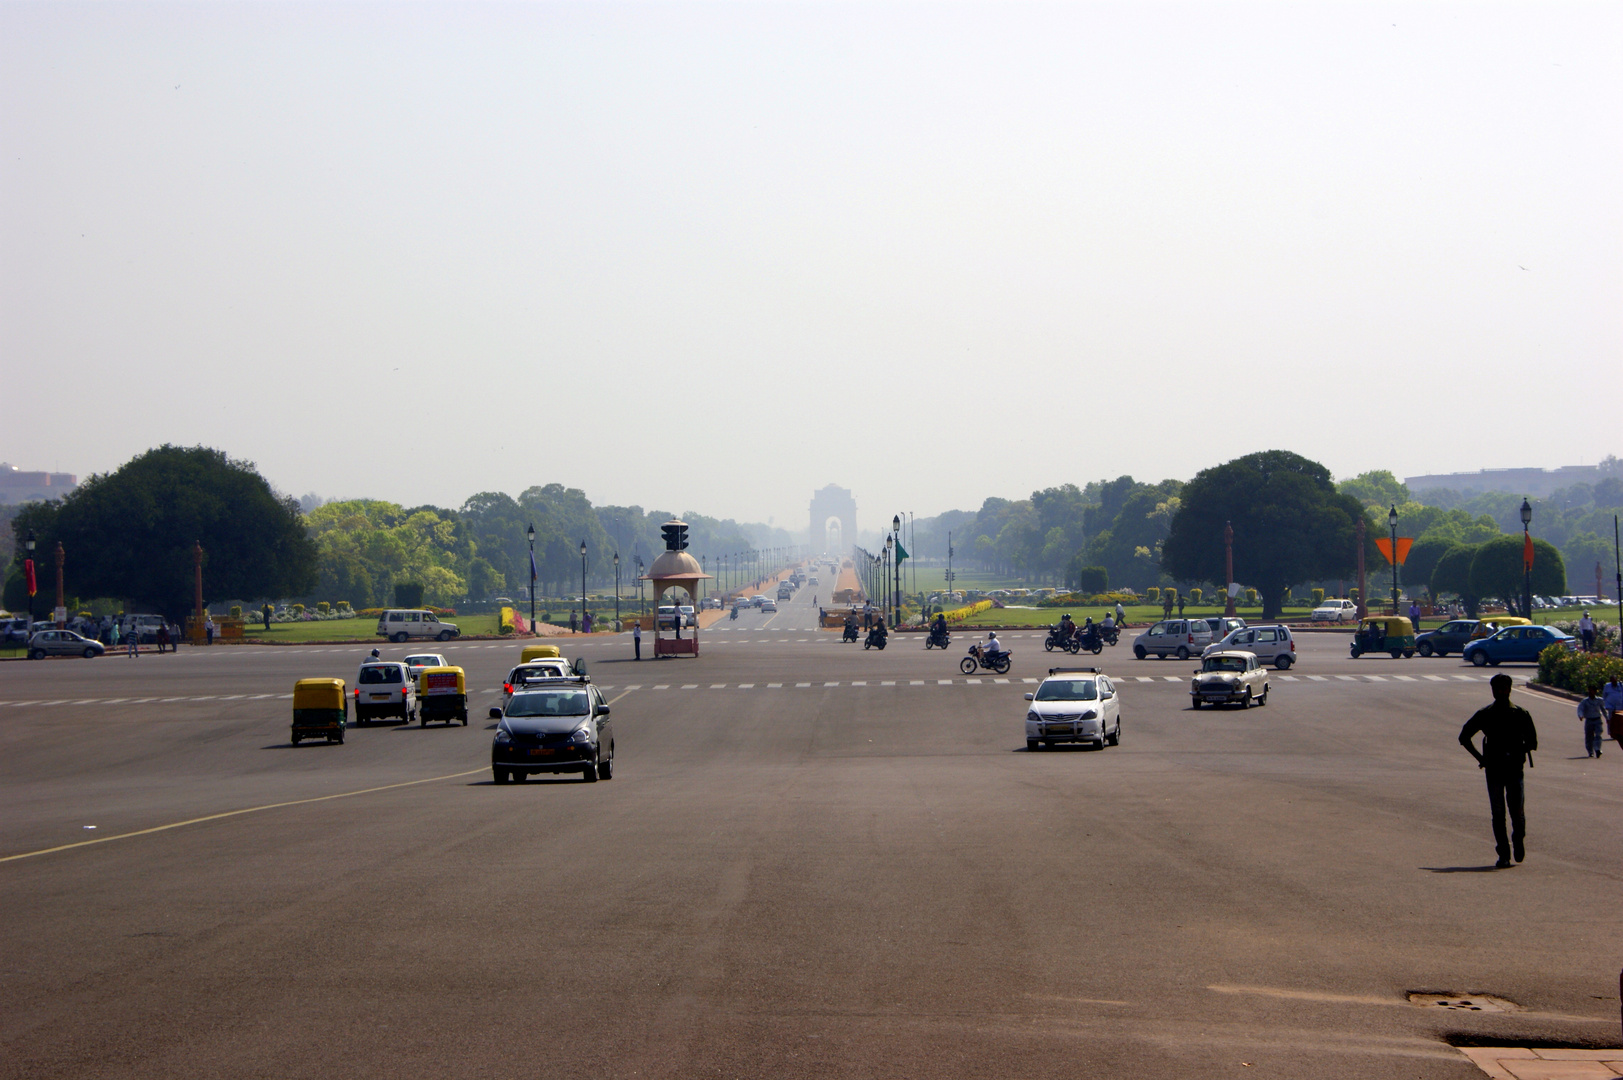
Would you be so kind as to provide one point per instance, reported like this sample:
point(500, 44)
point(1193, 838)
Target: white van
point(403, 624)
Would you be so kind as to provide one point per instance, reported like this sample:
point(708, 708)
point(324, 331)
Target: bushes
point(1152, 595)
point(1560, 667)
point(1093, 579)
point(408, 594)
point(1194, 595)
point(1318, 597)
point(236, 611)
point(1251, 598)
point(958, 615)
point(505, 621)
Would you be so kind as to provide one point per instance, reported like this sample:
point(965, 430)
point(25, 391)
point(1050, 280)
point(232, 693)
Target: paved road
point(812, 861)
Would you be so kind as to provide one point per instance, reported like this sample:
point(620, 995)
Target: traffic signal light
point(676, 535)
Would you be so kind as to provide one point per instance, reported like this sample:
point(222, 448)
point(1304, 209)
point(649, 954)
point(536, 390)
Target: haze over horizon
point(716, 256)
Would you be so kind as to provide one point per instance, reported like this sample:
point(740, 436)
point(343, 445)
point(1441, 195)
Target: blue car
point(1517, 645)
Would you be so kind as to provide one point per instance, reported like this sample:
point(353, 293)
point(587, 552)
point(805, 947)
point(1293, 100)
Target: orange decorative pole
point(197, 623)
point(61, 603)
point(1228, 557)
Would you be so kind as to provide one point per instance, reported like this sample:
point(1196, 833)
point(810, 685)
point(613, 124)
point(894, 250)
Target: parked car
point(384, 688)
point(143, 627)
point(63, 643)
point(402, 624)
point(1229, 678)
point(557, 726)
point(1074, 705)
point(666, 616)
point(689, 616)
point(1270, 644)
point(1447, 638)
point(15, 630)
point(1179, 637)
point(1335, 611)
point(1517, 645)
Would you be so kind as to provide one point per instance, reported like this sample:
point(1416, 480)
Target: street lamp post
point(1228, 567)
point(896, 572)
point(641, 610)
point(616, 590)
point(1527, 560)
point(583, 583)
point(530, 532)
point(61, 602)
point(33, 572)
point(1392, 521)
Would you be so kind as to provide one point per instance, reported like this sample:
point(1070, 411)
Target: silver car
point(1270, 644)
point(63, 643)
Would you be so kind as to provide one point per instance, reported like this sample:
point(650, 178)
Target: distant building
point(1536, 483)
point(17, 486)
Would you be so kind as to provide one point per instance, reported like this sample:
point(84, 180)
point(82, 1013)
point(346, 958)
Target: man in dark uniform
point(1508, 738)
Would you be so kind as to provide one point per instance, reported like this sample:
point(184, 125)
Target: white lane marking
point(860, 682)
point(746, 686)
point(690, 686)
point(1405, 678)
point(1004, 681)
point(1347, 678)
point(634, 686)
point(1143, 678)
point(972, 682)
point(1030, 680)
point(772, 685)
point(1318, 678)
point(943, 682)
point(718, 686)
point(802, 684)
point(1466, 678)
point(663, 686)
point(1286, 678)
point(232, 697)
point(831, 684)
point(202, 697)
point(1376, 678)
point(915, 682)
point(86, 701)
point(888, 682)
point(1170, 678)
point(115, 701)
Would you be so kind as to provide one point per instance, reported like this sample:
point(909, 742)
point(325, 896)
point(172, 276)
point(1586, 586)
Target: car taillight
point(507, 688)
point(1293, 644)
point(357, 693)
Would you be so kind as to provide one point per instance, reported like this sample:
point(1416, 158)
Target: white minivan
point(398, 624)
point(1270, 644)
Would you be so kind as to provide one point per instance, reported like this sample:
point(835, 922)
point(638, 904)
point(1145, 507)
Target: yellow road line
point(234, 813)
point(617, 697)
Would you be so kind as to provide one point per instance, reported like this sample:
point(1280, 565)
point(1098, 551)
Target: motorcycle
point(980, 658)
point(875, 640)
point(938, 640)
point(1090, 640)
point(1057, 639)
point(734, 615)
point(1110, 634)
point(850, 633)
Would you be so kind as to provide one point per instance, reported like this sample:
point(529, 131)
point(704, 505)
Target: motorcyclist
point(878, 634)
point(1067, 627)
point(850, 626)
point(734, 615)
point(938, 629)
point(1109, 624)
point(1090, 633)
point(993, 646)
point(376, 655)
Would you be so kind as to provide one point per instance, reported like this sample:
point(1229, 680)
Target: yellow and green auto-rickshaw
point(538, 652)
point(442, 695)
point(1390, 634)
point(320, 710)
point(1492, 624)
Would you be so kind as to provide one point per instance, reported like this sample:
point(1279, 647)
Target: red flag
point(28, 577)
point(1527, 551)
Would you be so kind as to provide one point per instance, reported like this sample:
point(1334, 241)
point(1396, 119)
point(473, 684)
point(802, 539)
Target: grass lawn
point(352, 629)
point(934, 579)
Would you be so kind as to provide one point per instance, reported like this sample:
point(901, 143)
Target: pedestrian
point(1586, 631)
point(636, 640)
point(1611, 699)
point(1121, 616)
point(267, 614)
point(574, 623)
point(208, 628)
point(1166, 606)
point(1414, 615)
point(112, 635)
point(1180, 605)
point(1508, 739)
point(132, 643)
point(163, 638)
point(586, 624)
point(1593, 713)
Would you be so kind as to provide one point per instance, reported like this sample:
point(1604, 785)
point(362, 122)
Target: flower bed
point(958, 615)
point(1559, 667)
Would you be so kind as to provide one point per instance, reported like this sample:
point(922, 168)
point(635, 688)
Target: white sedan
point(1229, 678)
point(1335, 611)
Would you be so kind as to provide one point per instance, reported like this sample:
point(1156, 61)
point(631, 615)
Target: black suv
point(553, 726)
point(1447, 638)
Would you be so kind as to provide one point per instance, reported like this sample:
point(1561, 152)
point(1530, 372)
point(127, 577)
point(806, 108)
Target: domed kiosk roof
point(675, 566)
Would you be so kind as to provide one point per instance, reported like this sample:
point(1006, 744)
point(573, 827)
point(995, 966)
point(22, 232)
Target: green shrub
point(236, 611)
point(323, 607)
point(1153, 594)
point(1250, 598)
point(1318, 597)
point(343, 605)
point(408, 594)
point(298, 609)
point(1194, 595)
point(1093, 580)
point(1560, 667)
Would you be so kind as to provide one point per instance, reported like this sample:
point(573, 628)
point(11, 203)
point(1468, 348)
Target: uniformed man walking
point(1508, 739)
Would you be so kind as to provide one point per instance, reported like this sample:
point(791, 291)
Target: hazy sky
point(713, 257)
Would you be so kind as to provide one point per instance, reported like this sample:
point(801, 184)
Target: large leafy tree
point(1452, 574)
point(1423, 559)
point(1496, 570)
point(1290, 525)
point(130, 533)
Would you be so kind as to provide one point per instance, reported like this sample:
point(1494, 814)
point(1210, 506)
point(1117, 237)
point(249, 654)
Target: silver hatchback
point(1270, 644)
point(63, 643)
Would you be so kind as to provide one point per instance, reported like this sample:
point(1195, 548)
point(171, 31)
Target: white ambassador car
point(1229, 678)
point(1073, 705)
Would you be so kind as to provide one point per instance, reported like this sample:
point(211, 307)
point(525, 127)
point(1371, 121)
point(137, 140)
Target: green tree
point(1496, 570)
point(1290, 524)
point(1093, 580)
point(1423, 559)
point(130, 533)
point(1378, 488)
point(1453, 575)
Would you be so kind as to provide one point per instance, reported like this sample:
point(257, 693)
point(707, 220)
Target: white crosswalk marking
point(943, 682)
point(1318, 678)
point(973, 682)
point(1466, 678)
point(663, 686)
point(802, 684)
point(1436, 678)
point(1376, 678)
point(690, 686)
point(718, 686)
point(746, 686)
point(1031, 680)
point(1004, 681)
point(1170, 678)
point(915, 682)
point(772, 685)
point(1405, 678)
point(1286, 678)
point(859, 682)
point(1347, 678)
point(831, 684)
point(1143, 678)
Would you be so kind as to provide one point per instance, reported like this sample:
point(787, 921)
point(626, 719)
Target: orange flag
point(1385, 546)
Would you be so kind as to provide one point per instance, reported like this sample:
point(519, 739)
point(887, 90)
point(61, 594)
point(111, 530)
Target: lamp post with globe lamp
point(1392, 522)
point(1527, 560)
point(530, 532)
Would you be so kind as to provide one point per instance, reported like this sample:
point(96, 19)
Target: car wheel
point(398, 638)
point(1263, 700)
point(1283, 662)
point(589, 774)
point(296, 740)
point(519, 775)
point(1245, 700)
point(422, 719)
point(499, 774)
point(1139, 653)
point(1408, 654)
point(1194, 703)
point(1424, 648)
point(1479, 658)
point(1032, 745)
point(605, 770)
point(37, 654)
point(1183, 653)
point(90, 654)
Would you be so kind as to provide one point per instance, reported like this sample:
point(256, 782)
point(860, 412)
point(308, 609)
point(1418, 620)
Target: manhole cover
point(1462, 1002)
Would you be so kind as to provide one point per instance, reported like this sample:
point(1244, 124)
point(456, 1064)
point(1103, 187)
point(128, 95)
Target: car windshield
point(1067, 690)
point(548, 703)
point(1224, 663)
point(425, 661)
point(383, 674)
point(536, 674)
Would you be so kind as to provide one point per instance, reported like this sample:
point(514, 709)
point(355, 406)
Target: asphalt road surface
point(813, 861)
